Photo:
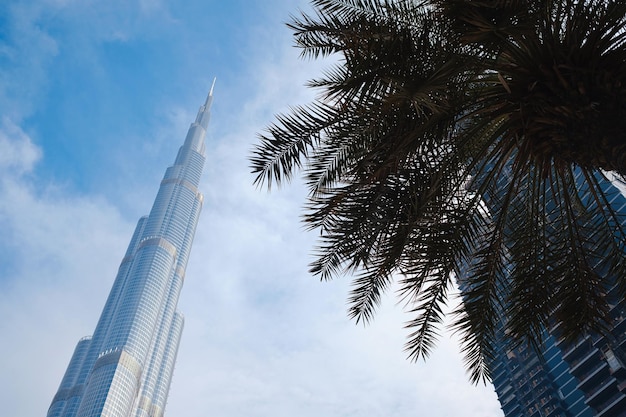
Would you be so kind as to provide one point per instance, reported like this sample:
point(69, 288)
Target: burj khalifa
point(125, 368)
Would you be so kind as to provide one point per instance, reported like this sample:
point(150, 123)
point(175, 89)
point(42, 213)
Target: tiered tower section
point(125, 368)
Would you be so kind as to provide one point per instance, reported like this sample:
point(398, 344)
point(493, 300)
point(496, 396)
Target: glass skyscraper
point(125, 368)
point(584, 379)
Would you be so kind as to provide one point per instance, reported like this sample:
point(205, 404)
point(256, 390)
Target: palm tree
point(464, 139)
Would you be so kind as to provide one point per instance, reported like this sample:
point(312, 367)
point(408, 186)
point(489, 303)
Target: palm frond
point(281, 152)
point(465, 139)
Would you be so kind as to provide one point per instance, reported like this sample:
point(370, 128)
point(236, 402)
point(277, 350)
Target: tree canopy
point(465, 139)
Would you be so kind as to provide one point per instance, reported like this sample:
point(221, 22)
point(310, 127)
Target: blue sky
point(95, 99)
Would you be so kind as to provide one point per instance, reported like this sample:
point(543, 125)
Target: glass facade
point(563, 380)
point(125, 368)
point(531, 383)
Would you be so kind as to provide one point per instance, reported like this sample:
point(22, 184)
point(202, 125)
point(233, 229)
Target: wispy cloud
point(18, 154)
point(57, 258)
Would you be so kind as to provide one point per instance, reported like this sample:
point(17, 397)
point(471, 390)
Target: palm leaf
point(456, 139)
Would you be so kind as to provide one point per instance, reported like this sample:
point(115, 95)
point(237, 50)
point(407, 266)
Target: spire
point(204, 112)
point(209, 98)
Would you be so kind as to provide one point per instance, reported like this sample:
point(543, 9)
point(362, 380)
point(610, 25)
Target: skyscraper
point(125, 368)
point(584, 379)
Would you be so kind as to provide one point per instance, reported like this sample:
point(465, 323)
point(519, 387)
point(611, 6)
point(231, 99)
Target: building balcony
point(619, 325)
point(570, 351)
point(582, 413)
point(499, 374)
point(594, 376)
point(511, 409)
point(508, 399)
point(552, 411)
point(506, 389)
point(601, 393)
point(583, 364)
point(613, 407)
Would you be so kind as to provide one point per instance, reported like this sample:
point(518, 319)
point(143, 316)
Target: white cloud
point(18, 154)
point(59, 254)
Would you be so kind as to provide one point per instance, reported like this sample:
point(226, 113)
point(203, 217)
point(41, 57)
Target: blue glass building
point(530, 383)
point(125, 368)
point(585, 379)
point(598, 361)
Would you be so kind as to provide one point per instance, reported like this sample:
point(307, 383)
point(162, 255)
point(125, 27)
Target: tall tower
point(125, 368)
